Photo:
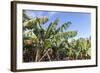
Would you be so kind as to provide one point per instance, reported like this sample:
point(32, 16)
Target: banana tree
point(84, 45)
point(58, 36)
point(46, 40)
point(81, 48)
point(35, 39)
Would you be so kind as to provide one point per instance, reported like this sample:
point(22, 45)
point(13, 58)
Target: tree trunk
point(45, 54)
point(37, 55)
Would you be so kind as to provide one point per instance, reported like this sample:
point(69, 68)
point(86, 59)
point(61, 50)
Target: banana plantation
point(52, 43)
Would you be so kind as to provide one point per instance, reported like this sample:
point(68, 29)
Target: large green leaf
point(29, 23)
point(50, 28)
point(43, 19)
point(68, 34)
point(25, 16)
point(63, 26)
point(35, 22)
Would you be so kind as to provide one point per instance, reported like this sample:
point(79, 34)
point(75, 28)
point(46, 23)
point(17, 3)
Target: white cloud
point(51, 13)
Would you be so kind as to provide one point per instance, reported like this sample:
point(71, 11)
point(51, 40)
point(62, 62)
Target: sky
point(81, 22)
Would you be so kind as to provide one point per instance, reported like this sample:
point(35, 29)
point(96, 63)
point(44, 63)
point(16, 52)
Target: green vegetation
point(52, 43)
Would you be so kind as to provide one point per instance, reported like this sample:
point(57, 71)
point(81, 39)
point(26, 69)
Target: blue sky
point(81, 22)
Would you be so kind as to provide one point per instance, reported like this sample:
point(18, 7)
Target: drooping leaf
point(63, 26)
point(36, 21)
point(50, 28)
point(43, 19)
point(25, 16)
point(68, 34)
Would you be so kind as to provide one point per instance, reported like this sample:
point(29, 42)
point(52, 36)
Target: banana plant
point(81, 48)
point(58, 36)
point(35, 38)
point(46, 39)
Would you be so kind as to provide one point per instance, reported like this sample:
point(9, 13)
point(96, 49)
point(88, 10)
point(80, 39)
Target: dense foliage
point(52, 43)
